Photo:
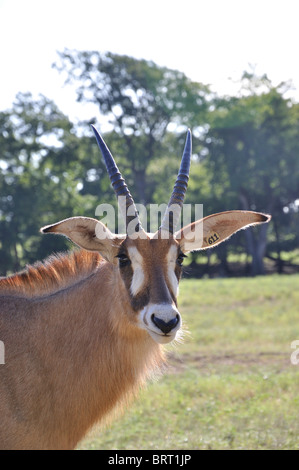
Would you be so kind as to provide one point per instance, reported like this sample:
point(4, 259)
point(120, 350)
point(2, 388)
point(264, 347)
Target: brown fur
point(157, 287)
point(72, 352)
point(55, 273)
point(73, 347)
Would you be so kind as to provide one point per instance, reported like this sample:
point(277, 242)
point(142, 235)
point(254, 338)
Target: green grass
point(231, 385)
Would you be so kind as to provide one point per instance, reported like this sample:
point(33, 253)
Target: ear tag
point(213, 237)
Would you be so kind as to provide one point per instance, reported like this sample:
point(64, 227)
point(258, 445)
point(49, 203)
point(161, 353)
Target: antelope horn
point(118, 183)
point(175, 204)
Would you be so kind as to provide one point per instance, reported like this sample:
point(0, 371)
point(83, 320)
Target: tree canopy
point(245, 155)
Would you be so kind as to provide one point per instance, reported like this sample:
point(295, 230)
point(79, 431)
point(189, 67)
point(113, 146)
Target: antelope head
point(150, 265)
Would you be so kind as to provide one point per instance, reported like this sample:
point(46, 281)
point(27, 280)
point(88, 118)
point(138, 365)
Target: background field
point(231, 385)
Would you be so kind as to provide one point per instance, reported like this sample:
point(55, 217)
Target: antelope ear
point(89, 234)
point(214, 229)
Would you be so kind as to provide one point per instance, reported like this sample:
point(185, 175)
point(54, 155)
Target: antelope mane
point(57, 272)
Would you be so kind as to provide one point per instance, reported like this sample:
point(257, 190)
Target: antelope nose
point(165, 327)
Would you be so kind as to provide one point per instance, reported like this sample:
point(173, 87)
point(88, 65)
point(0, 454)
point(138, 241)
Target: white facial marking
point(171, 260)
point(138, 274)
point(166, 312)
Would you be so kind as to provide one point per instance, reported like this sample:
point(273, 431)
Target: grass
point(231, 385)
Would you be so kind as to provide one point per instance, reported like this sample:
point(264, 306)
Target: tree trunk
point(279, 260)
point(16, 263)
point(256, 243)
point(140, 182)
point(224, 269)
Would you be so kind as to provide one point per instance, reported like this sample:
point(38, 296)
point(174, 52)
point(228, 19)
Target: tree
point(253, 144)
point(141, 100)
point(38, 181)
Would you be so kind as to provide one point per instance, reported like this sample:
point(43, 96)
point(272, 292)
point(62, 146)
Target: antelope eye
point(123, 260)
point(180, 259)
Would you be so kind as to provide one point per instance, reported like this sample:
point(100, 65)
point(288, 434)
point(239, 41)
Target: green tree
point(141, 101)
point(38, 180)
point(253, 145)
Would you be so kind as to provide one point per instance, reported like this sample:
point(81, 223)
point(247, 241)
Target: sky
point(211, 41)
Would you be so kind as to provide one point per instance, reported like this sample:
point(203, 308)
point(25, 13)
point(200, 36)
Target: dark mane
point(55, 273)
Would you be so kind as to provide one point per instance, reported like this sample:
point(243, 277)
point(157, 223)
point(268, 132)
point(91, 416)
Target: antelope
point(83, 331)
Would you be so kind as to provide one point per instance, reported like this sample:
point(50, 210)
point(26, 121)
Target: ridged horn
point(118, 183)
point(176, 202)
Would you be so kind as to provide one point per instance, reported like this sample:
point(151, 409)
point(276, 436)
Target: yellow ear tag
point(213, 238)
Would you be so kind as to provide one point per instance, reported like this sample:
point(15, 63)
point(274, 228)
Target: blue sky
point(210, 41)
